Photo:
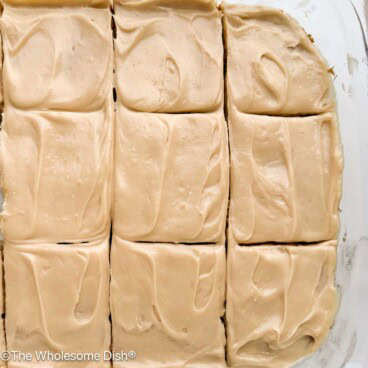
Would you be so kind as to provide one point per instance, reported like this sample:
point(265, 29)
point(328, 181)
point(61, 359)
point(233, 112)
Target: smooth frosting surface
point(57, 58)
point(272, 66)
point(169, 311)
point(285, 178)
point(281, 302)
point(57, 299)
point(169, 58)
point(56, 175)
point(171, 177)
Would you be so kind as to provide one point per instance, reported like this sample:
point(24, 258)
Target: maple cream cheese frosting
point(57, 300)
point(169, 311)
point(171, 177)
point(1, 70)
point(56, 175)
point(281, 302)
point(57, 58)
point(60, 3)
point(285, 178)
point(2, 307)
point(169, 56)
point(272, 66)
point(179, 4)
point(159, 166)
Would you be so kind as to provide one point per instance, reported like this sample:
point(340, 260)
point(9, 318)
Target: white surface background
point(339, 28)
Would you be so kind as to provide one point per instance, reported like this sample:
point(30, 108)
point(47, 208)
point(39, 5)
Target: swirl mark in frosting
point(170, 177)
point(56, 175)
point(169, 60)
point(286, 177)
point(281, 302)
point(57, 295)
point(57, 58)
point(273, 68)
point(172, 307)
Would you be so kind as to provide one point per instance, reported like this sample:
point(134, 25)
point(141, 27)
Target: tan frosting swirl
point(171, 177)
point(56, 175)
point(272, 65)
point(285, 178)
point(57, 299)
point(281, 302)
point(169, 60)
point(169, 311)
point(57, 58)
